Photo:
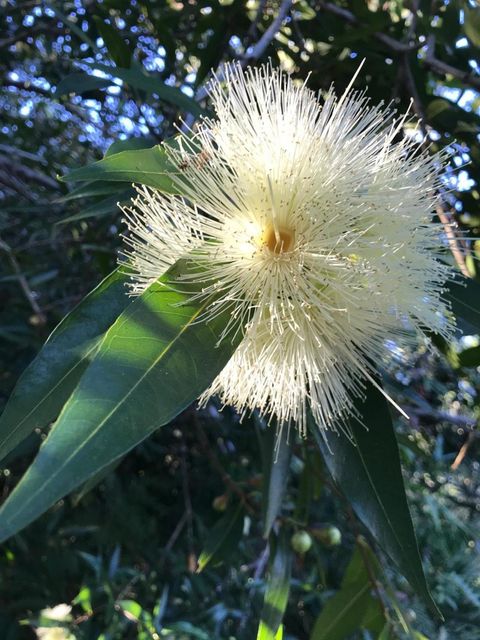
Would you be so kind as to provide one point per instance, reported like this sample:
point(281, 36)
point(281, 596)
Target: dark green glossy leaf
point(276, 592)
point(278, 456)
point(368, 472)
point(465, 300)
point(469, 357)
point(49, 380)
point(103, 207)
point(80, 82)
point(90, 189)
point(152, 363)
point(353, 607)
point(131, 144)
point(117, 47)
point(144, 166)
point(224, 536)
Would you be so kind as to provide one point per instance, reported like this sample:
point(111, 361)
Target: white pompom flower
point(312, 221)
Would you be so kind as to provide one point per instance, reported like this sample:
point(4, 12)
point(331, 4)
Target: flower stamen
point(278, 240)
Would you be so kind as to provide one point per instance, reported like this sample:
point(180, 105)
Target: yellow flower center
point(278, 240)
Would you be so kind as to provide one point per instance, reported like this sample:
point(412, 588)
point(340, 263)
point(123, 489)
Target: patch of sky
point(450, 93)
point(463, 182)
point(26, 109)
point(154, 63)
point(28, 20)
point(126, 124)
point(187, 91)
point(396, 352)
point(461, 44)
point(235, 43)
point(466, 387)
point(467, 98)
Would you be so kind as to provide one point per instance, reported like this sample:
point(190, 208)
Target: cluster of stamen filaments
point(278, 240)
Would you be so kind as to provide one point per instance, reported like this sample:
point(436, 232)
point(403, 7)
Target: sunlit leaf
point(276, 592)
point(49, 380)
point(151, 167)
point(152, 363)
point(223, 536)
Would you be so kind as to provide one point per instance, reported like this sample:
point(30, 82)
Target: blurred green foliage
point(79, 76)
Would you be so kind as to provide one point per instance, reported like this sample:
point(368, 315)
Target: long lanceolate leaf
point(50, 379)
point(369, 474)
point(154, 361)
point(276, 592)
point(151, 167)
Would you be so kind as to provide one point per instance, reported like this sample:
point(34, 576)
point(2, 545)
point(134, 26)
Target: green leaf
point(225, 535)
point(151, 167)
point(464, 297)
point(469, 357)
point(49, 380)
point(117, 47)
point(352, 608)
point(368, 472)
point(81, 82)
point(472, 24)
point(103, 207)
point(277, 456)
point(152, 363)
point(132, 144)
point(276, 592)
point(90, 189)
point(138, 79)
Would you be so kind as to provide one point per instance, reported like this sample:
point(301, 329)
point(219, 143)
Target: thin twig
point(442, 68)
point(253, 29)
point(453, 241)
point(217, 465)
point(463, 451)
point(192, 558)
point(29, 295)
point(394, 45)
point(256, 51)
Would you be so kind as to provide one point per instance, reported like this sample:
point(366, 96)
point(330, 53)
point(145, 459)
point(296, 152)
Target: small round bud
point(220, 503)
point(329, 536)
point(301, 542)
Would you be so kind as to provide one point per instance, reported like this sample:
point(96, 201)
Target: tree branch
point(442, 68)
point(347, 16)
point(256, 51)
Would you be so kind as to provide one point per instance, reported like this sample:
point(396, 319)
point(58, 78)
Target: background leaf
point(224, 536)
point(368, 472)
point(277, 456)
point(276, 591)
point(353, 607)
point(117, 47)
